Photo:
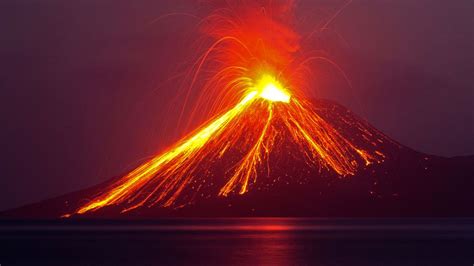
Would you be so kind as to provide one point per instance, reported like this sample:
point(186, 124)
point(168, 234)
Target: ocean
point(239, 241)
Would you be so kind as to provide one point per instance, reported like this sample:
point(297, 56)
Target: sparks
point(252, 66)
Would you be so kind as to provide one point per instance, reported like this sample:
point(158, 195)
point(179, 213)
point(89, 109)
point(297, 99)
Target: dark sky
point(84, 98)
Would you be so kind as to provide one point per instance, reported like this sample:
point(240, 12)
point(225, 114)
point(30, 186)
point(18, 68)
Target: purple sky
point(83, 97)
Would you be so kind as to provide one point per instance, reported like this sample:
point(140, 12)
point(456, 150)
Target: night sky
point(86, 90)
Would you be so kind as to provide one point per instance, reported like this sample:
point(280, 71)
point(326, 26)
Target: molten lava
point(256, 80)
point(270, 89)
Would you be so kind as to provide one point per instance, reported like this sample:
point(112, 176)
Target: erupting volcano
point(255, 63)
point(266, 138)
point(250, 132)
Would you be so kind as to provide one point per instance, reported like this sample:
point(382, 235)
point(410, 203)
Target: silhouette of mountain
point(403, 183)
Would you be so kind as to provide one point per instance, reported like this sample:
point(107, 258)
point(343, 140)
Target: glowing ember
point(248, 51)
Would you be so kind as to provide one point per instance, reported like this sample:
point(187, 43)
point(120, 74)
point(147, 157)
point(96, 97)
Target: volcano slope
point(386, 179)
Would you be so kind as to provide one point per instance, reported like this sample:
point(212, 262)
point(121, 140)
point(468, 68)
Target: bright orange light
point(270, 89)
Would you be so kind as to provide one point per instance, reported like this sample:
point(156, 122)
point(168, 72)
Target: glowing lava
point(270, 89)
point(230, 154)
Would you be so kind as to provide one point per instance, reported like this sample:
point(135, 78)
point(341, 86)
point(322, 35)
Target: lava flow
point(257, 83)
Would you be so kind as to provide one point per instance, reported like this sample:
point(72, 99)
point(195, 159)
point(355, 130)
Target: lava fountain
point(256, 89)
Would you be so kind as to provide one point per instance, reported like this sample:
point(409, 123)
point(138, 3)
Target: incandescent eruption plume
point(257, 93)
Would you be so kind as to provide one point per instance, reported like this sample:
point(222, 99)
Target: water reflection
point(266, 242)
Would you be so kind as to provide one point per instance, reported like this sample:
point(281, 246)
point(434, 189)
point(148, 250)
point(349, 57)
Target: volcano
point(386, 178)
point(266, 150)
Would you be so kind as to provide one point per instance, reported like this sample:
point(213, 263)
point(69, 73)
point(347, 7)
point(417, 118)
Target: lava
point(270, 89)
point(261, 104)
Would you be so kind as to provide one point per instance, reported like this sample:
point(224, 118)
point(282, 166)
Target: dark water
point(252, 241)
